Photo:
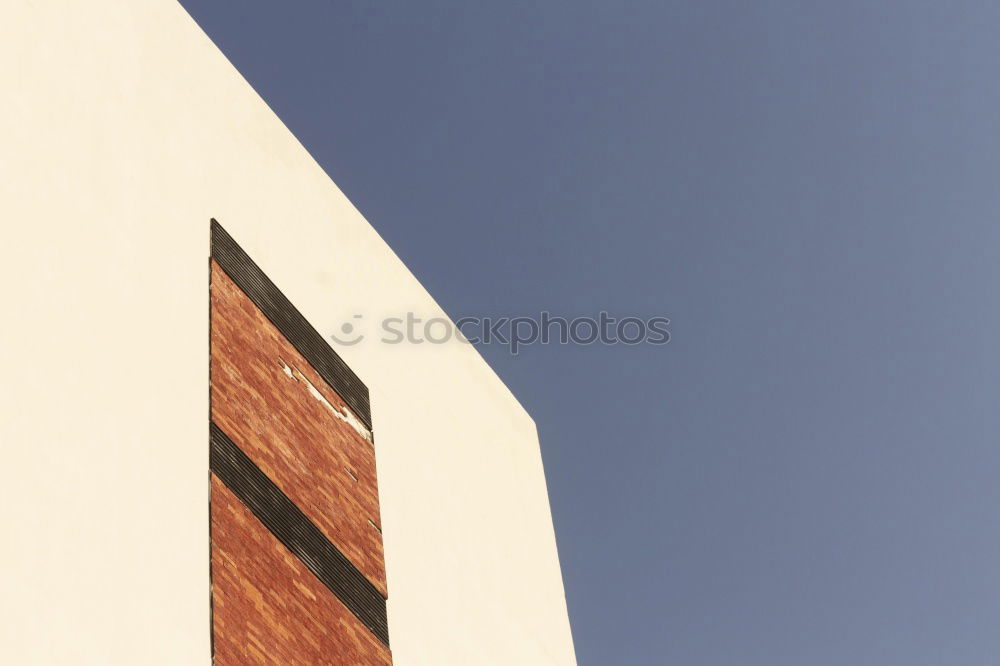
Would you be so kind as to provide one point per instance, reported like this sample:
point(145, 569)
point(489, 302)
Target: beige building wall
point(124, 130)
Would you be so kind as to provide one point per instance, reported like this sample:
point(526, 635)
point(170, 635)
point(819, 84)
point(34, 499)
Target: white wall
point(123, 131)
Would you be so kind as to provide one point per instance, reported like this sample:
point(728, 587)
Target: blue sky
point(808, 472)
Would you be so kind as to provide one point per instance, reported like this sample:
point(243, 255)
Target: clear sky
point(809, 473)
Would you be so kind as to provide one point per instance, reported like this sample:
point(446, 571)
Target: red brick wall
point(293, 437)
point(268, 607)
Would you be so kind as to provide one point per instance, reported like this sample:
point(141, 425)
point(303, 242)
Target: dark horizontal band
point(292, 528)
point(279, 310)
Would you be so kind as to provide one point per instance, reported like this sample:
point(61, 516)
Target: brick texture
point(266, 397)
point(268, 607)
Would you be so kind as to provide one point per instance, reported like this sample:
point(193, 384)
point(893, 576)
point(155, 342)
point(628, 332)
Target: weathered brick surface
point(268, 608)
point(264, 398)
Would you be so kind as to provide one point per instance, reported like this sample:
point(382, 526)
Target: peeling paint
point(286, 369)
point(344, 414)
